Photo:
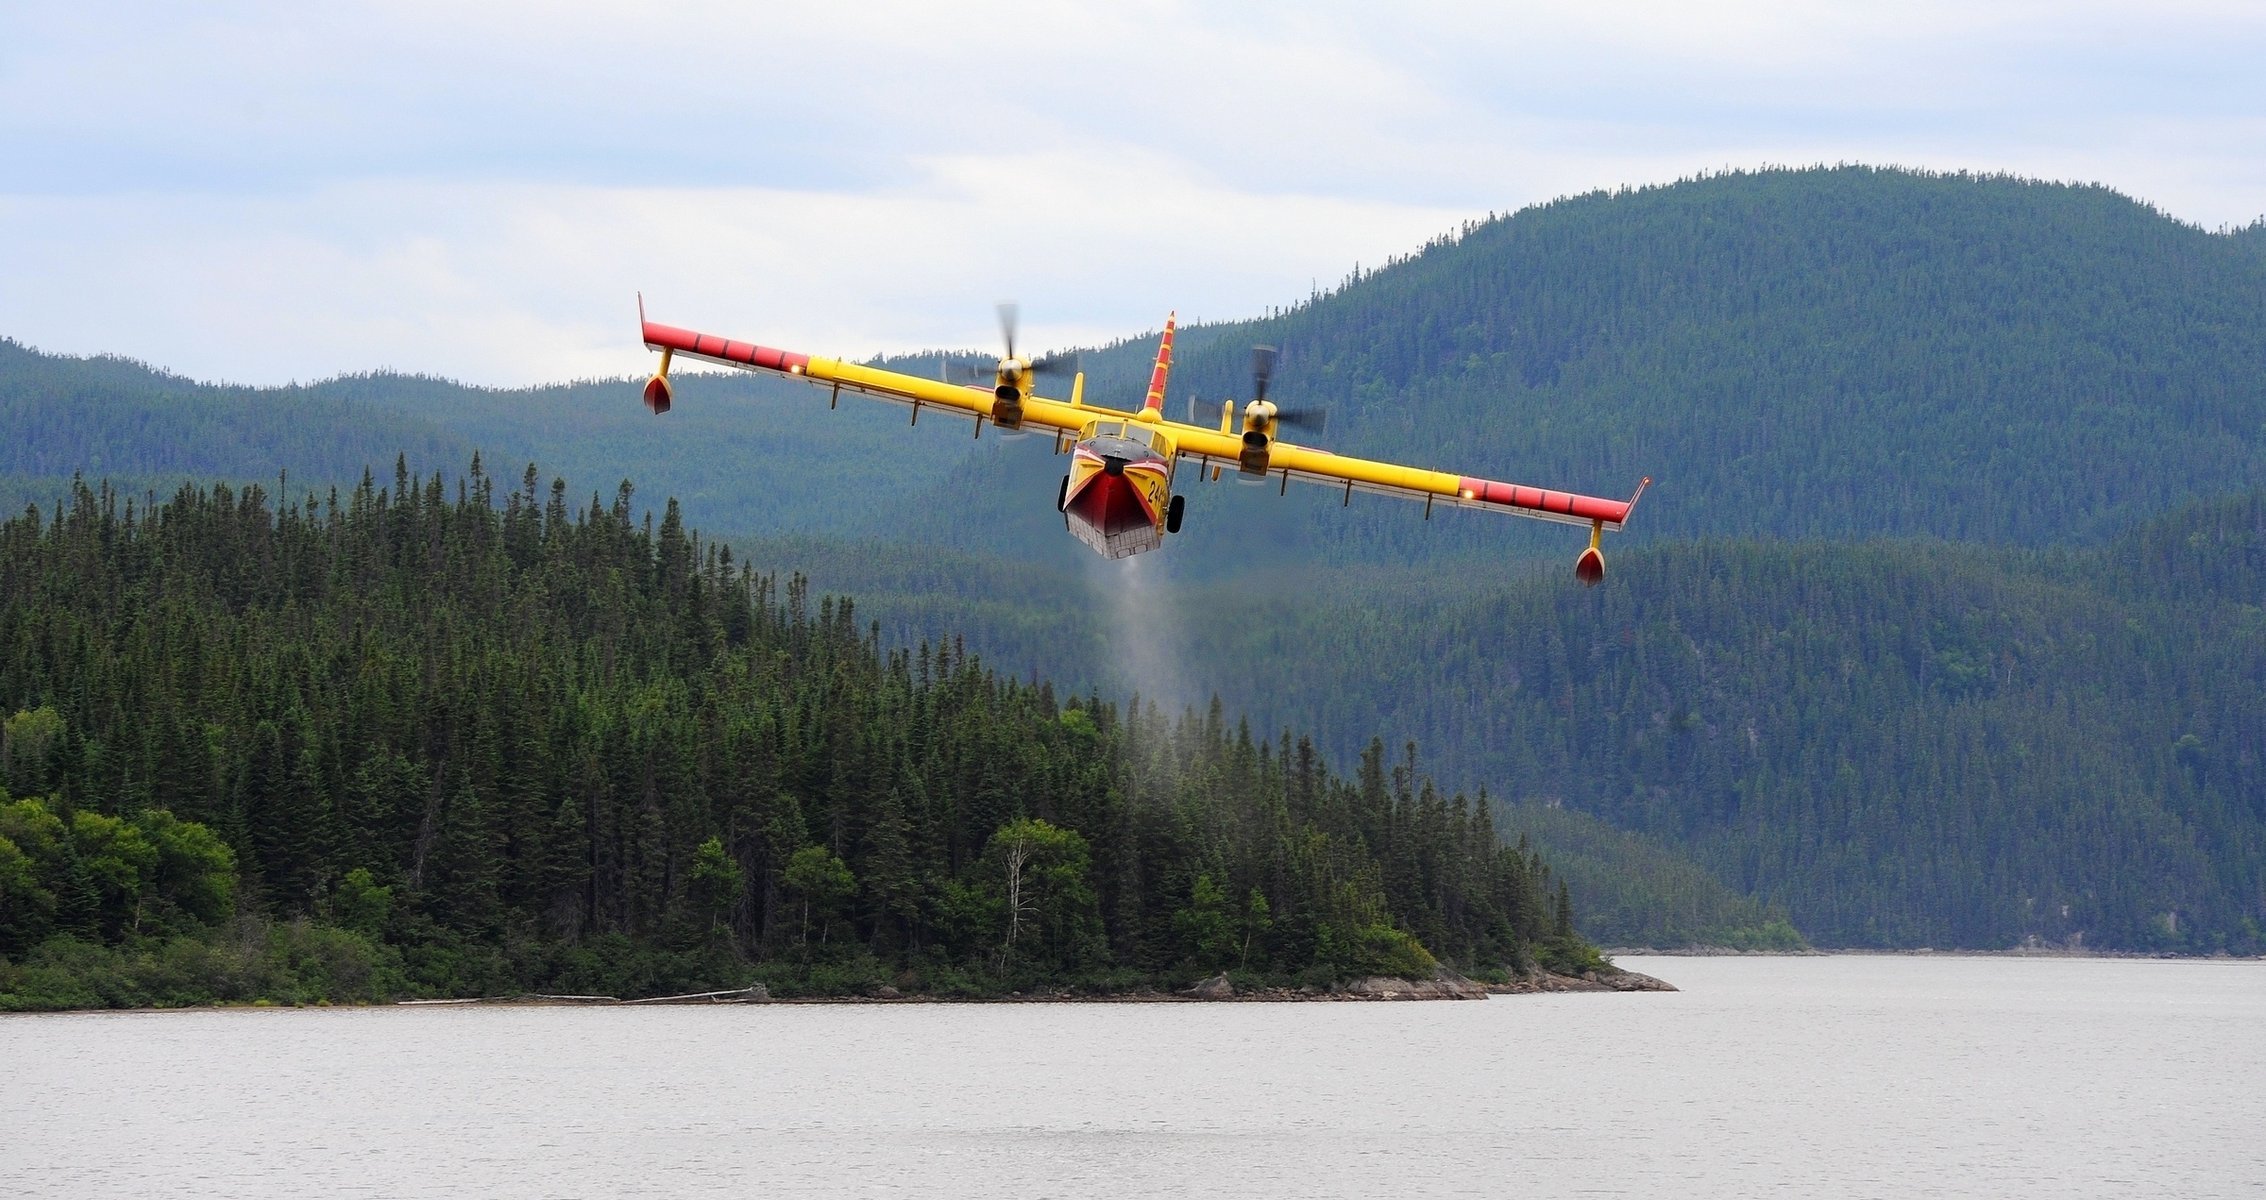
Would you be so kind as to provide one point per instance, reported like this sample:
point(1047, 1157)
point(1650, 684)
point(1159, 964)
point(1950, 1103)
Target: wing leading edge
point(840, 376)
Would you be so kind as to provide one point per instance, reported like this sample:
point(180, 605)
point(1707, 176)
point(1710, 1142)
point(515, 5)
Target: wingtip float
point(1118, 496)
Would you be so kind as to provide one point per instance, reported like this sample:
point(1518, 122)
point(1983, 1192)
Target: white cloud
point(257, 191)
point(518, 283)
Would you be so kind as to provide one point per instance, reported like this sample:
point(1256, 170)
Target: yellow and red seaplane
point(1118, 496)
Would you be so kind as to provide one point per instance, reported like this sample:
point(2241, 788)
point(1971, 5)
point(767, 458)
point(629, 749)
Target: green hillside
point(1838, 353)
point(1900, 743)
point(148, 432)
point(1633, 891)
point(760, 450)
point(1829, 352)
point(499, 743)
point(1916, 744)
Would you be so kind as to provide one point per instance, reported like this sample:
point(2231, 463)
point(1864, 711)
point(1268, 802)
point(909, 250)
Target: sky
point(267, 193)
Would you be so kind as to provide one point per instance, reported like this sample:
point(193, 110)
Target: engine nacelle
point(658, 394)
point(1251, 460)
point(1007, 407)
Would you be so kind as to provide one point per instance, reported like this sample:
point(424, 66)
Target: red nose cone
point(1590, 567)
point(657, 394)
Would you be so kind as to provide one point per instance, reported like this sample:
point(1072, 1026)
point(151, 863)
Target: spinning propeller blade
point(1263, 360)
point(1010, 316)
point(1007, 319)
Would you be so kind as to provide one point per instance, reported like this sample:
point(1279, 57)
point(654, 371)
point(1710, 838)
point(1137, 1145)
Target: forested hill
point(1903, 743)
point(1831, 352)
point(143, 429)
point(1828, 352)
point(501, 742)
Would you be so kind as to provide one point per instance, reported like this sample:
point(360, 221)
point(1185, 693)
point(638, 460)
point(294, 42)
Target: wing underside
point(1346, 475)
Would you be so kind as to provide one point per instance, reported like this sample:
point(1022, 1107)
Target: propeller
point(1262, 370)
point(1310, 420)
point(1051, 364)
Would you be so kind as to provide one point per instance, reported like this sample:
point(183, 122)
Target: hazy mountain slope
point(1795, 353)
point(1633, 891)
point(766, 452)
point(742, 453)
point(1903, 744)
point(1838, 352)
point(111, 418)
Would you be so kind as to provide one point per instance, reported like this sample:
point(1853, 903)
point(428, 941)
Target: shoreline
point(1619, 952)
point(1445, 986)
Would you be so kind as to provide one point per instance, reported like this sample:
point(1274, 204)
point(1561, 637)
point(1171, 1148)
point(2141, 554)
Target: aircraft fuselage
point(1118, 495)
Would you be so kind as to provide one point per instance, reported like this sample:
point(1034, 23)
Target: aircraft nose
point(1112, 465)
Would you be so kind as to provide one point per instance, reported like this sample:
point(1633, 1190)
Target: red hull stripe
point(709, 346)
point(1511, 495)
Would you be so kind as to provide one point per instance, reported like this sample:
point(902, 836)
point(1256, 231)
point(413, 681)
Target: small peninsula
point(434, 740)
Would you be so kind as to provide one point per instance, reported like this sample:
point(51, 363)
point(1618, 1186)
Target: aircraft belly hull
point(1114, 506)
point(1123, 544)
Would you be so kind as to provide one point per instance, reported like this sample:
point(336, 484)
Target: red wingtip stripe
point(709, 346)
point(1511, 495)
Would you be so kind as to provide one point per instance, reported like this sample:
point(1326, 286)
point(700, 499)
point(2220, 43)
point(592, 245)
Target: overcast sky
point(269, 192)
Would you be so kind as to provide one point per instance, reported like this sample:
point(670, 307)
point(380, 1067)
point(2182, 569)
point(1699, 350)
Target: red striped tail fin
point(1155, 402)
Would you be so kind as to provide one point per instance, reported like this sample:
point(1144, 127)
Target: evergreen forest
point(389, 741)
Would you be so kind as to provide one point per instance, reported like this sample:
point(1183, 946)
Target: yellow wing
point(936, 395)
point(1213, 450)
point(1217, 451)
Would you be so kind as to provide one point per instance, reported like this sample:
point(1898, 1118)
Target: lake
point(1831, 1076)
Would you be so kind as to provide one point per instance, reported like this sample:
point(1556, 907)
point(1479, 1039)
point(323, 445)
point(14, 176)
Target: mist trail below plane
point(1143, 643)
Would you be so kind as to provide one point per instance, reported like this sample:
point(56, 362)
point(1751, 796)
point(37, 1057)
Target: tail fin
point(1155, 402)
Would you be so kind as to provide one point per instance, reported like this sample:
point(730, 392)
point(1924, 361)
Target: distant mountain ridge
point(1838, 353)
point(1829, 352)
point(141, 428)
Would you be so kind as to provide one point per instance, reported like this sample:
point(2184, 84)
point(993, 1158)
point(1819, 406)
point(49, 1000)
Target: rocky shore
point(1444, 984)
point(1613, 979)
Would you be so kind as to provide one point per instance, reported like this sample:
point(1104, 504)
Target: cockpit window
point(1134, 431)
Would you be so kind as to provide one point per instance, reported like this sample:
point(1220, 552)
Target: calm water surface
point(1797, 1077)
